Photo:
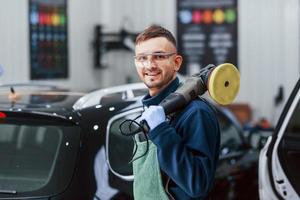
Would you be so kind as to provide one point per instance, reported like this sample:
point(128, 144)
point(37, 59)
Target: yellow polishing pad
point(224, 83)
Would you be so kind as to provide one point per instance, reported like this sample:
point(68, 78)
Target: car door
point(279, 161)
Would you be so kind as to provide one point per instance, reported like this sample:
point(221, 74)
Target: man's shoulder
point(200, 104)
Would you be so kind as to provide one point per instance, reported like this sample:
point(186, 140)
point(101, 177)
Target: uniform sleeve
point(189, 158)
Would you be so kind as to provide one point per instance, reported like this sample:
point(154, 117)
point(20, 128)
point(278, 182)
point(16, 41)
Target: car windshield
point(28, 153)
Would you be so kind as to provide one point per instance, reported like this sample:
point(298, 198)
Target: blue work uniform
point(187, 147)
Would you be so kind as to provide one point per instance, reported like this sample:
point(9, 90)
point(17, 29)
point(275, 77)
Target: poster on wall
point(48, 39)
point(206, 33)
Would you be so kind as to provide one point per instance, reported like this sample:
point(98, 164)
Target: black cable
point(132, 133)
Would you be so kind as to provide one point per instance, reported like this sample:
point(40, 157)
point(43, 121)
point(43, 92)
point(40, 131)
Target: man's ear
point(178, 61)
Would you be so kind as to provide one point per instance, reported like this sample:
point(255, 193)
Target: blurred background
point(88, 44)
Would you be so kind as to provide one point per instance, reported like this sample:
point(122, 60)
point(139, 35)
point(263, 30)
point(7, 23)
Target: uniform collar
point(155, 100)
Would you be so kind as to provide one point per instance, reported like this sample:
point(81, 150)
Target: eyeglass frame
point(166, 55)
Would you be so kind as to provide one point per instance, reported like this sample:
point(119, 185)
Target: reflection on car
point(56, 144)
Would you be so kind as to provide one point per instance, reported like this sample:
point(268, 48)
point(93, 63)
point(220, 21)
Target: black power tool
point(222, 82)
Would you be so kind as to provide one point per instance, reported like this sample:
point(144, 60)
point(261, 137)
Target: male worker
point(182, 156)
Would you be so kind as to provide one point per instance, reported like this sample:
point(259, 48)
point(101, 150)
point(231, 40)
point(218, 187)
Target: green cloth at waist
point(147, 177)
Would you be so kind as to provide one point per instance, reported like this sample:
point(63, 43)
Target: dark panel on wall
point(206, 33)
point(48, 39)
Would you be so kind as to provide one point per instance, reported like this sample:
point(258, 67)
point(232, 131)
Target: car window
point(35, 154)
point(119, 147)
point(28, 154)
point(288, 150)
point(114, 97)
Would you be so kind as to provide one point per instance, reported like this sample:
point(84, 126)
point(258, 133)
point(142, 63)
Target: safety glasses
point(144, 60)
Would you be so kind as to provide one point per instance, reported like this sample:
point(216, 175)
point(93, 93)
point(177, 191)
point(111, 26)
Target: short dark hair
point(153, 32)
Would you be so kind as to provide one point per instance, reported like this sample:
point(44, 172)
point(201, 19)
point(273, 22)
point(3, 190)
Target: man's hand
point(154, 115)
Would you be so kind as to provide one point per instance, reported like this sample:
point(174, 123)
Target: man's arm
point(189, 156)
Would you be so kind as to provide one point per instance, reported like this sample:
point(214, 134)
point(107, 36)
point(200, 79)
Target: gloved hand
point(154, 115)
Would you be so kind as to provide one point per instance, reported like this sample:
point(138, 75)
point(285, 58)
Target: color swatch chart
point(208, 16)
point(206, 33)
point(48, 39)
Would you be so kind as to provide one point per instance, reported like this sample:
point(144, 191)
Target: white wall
point(134, 16)
point(268, 52)
point(268, 44)
point(14, 41)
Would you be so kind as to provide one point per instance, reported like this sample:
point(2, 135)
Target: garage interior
point(89, 45)
point(267, 55)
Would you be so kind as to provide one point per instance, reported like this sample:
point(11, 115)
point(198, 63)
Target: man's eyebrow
point(159, 52)
point(148, 53)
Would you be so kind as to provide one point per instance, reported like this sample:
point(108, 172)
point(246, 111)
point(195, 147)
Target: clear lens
point(144, 60)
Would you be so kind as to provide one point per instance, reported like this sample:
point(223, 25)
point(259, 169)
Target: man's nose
point(149, 64)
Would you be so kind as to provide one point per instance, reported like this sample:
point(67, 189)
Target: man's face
point(159, 69)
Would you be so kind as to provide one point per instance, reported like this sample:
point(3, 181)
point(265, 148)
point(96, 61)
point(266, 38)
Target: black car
point(56, 144)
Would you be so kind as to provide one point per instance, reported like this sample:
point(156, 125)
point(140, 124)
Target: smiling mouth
point(152, 74)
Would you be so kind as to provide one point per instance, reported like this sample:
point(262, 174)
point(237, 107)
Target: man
point(182, 156)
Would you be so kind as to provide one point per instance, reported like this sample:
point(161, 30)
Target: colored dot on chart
point(230, 15)
point(218, 16)
point(207, 17)
point(62, 19)
point(34, 17)
point(55, 19)
point(48, 19)
point(185, 16)
point(197, 17)
point(42, 18)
